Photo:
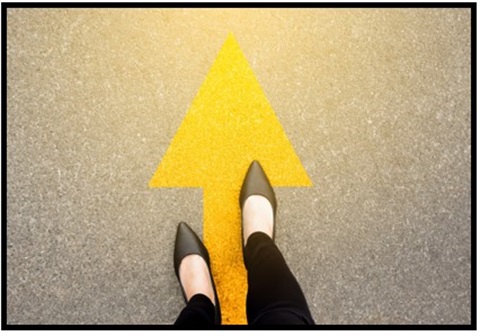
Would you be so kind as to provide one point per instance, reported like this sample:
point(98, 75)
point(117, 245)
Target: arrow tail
point(222, 237)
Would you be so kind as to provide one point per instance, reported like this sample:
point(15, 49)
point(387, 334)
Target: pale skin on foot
point(194, 275)
point(257, 216)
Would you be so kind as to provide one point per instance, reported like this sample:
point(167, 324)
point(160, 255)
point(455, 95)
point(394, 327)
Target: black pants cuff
point(199, 312)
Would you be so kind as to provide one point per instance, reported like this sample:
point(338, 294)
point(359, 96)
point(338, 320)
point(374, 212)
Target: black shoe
point(187, 243)
point(256, 183)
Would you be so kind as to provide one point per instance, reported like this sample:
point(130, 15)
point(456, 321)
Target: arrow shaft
point(222, 237)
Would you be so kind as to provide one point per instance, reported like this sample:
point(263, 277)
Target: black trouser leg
point(199, 311)
point(274, 295)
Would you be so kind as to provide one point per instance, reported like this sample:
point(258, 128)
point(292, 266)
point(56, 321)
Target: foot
point(195, 277)
point(257, 216)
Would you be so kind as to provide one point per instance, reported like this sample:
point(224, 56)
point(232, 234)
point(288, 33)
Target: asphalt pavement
point(375, 102)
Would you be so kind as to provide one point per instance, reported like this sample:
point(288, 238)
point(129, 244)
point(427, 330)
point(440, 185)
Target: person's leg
point(274, 295)
point(192, 267)
point(199, 311)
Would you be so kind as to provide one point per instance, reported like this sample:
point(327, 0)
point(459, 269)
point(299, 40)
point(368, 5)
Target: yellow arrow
point(229, 124)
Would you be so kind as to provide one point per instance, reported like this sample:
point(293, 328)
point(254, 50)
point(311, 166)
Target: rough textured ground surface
point(376, 104)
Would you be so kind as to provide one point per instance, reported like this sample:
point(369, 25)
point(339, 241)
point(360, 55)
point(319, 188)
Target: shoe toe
point(186, 243)
point(256, 183)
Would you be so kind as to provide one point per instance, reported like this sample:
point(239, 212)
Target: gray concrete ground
point(375, 102)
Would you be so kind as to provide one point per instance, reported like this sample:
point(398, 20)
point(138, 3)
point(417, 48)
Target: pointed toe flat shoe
point(187, 243)
point(256, 183)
